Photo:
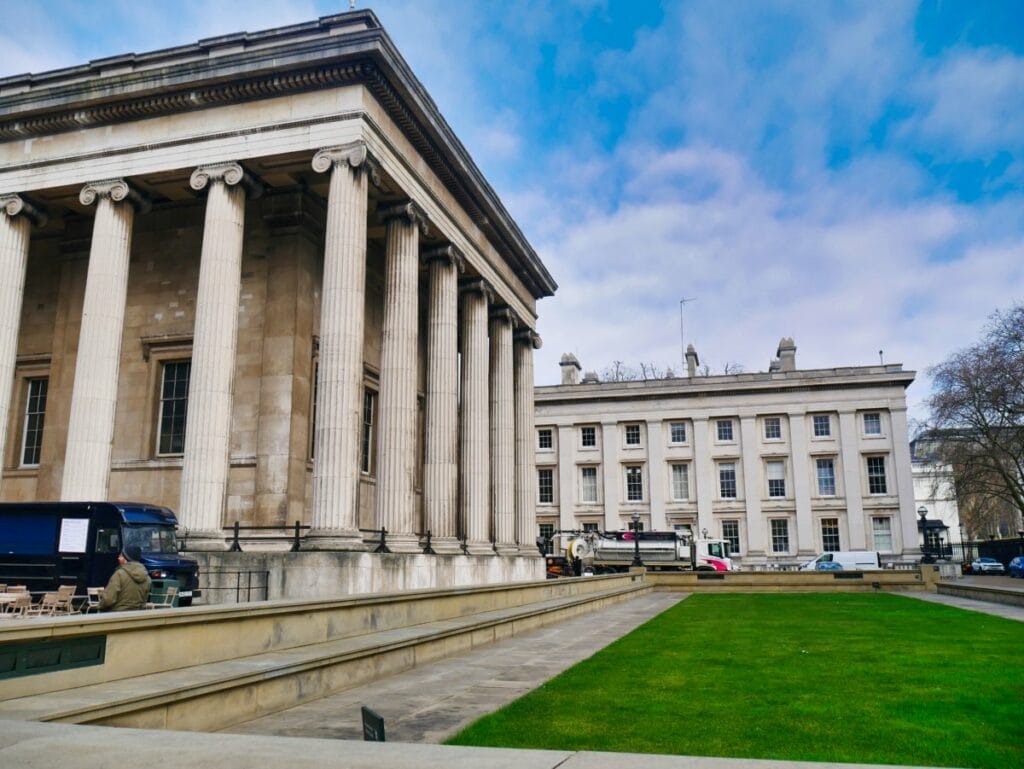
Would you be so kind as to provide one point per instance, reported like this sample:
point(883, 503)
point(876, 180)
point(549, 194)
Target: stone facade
point(231, 281)
point(785, 464)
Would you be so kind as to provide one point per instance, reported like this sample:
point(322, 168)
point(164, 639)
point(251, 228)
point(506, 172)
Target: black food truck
point(47, 544)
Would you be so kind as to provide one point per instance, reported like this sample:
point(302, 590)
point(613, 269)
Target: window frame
point(549, 486)
point(877, 420)
point(729, 536)
point(673, 439)
point(876, 488)
point(818, 478)
point(779, 537)
point(161, 407)
point(827, 425)
point(887, 519)
point(776, 491)
point(777, 423)
point(633, 475)
point(368, 432)
point(542, 433)
point(724, 425)
point(722, 480)
point(673, 489)
point(547, 531)
point(584, 470)
point(833, 533)
point(33, 421)
point(590, 430)
point(632, 429)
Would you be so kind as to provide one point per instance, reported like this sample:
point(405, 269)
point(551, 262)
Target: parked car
point(986, 565)
point(1016, 567)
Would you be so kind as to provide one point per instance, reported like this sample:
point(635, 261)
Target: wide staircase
point(204, 668)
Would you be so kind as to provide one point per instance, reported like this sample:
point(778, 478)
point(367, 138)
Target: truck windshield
point(151, 538)
point(716, 549)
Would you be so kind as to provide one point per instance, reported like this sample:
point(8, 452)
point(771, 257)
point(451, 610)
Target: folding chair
point(65, 594)
point(47, 607)
point(92, 599)
point(167, 602)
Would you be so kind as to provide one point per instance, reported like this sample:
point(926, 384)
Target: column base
point(446, 545)
point(505, 548)
point(404, 543)
point(333, 539)
point(479, 548)
point(205, 541)
point(530, 551)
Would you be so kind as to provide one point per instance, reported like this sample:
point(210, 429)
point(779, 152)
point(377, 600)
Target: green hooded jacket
point(128, 588)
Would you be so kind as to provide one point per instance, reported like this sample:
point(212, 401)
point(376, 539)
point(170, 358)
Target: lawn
point(853, 677)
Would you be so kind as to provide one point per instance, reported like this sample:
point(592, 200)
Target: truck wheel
point(705, 568)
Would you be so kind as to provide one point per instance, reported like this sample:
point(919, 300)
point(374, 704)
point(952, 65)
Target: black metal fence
point(376, 538)
point(246, 585)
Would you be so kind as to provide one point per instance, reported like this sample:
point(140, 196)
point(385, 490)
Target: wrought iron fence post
point(383, 546)
point(428, 549)
point(295, 543)
point(235, 546)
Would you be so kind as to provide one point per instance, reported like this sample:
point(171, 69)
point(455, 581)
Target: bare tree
point(977, 420)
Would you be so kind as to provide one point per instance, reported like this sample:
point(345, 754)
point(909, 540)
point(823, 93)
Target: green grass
point(869, 678)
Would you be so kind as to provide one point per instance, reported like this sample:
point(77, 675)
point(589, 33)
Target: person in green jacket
point(129, 585)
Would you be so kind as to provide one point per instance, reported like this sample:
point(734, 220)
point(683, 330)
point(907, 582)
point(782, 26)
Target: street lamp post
point(925, 550)
point(636, 539)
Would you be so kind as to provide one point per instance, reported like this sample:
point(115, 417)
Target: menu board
point(74, 535)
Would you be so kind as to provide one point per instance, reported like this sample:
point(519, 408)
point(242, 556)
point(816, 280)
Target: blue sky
point(850, 174)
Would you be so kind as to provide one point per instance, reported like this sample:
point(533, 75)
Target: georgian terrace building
point(783, 464)
point(258, 279)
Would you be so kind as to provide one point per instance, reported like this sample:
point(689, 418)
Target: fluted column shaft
point(396, 442)
point(526, 472)
point(441, 471)
point(474, 468)
point(94, 398)
point(335, 522)
point(502, 434)
point(204, 471)
point(16, 218)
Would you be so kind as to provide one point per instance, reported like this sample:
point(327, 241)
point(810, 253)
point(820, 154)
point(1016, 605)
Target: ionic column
point(502, 419)
point(335, 524)
point(396, 442)
point(441, 469)
point(204, 470)
point(526, 341)
point(16, 219)
point(474, 468)
point(94, 398)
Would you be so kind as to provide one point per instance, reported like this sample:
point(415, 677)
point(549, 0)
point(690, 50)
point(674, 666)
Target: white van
point(845, 560)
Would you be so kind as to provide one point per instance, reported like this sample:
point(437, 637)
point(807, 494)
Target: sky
point(849, 174)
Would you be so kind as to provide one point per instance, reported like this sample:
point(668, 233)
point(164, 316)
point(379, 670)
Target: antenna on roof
point(880, 361)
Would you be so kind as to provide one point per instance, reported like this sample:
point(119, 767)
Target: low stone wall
point(993, 593)
point(143, 642)
point(234, 577)
point(789, 581)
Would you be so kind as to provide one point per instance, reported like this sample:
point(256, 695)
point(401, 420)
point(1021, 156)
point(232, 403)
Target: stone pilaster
point(441, 469)
point(502, 433)
point(204, 471)
point(94, 397)
point(335, 523)
point(853, 466)
point(16, 219)
point(396, 437)
point(526, 341)
point(474, 467)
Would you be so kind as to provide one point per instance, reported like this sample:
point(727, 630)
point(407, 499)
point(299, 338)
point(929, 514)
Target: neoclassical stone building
point(784, 464)
point(259, 279)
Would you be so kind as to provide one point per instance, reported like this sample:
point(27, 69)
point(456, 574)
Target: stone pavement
point(431, 702)
point(986, 607)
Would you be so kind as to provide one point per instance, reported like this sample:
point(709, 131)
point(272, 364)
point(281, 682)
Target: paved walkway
point(970, 604)
point(430, 703)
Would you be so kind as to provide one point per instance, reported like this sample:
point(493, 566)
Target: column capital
point(529, 337)
point(117, 190)
point(477, 286)
point(355, 154)
point(14, 205)
point(502, 313)
point(404, 209)
point(447, 253)
point(229, 173)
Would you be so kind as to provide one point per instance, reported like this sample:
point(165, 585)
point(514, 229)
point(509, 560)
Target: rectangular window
point(680, 482)
point(724, 429)
point(876, 475)
point(822, 426)
point(677, 432)
point(881, 531)
point(35, 412)
point(591, 527)
point(544, 439)
point(830, 535)
point(638, 526)
point(780, 535)
point(173, 407)
point(588, 437)
point(727, 480)
point(826, 477)
point(731, 534)
point(772, 428)
point(872, 424)
point(588, 485)
point(634, 483)
point(366, 447)
point(546, 532)
point(776, 479)
point(632, 435)
point(545, 485)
